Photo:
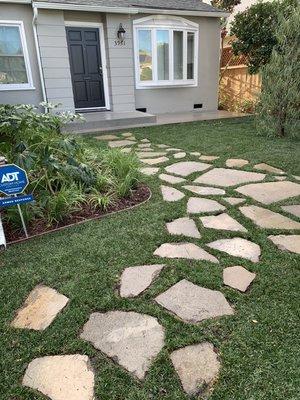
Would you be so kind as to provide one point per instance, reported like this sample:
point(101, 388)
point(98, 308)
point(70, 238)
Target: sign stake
point(22, 219)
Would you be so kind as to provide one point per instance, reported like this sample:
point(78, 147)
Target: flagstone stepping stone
point(296, 177)
point(171, 178)
point(270, 192)
point(145, 141)
point(233, 201)
point(196, 205)
point(127, 134)
point(154, 161)
point(131, 339)
point(204, 190)
point(149, 170)
point(187, 251)
point(173, 149)
point(185, 168)
point(193, 303)
point(268, 219)
point(238, 278)
point(126, 150)
point(120, 143)
point(287, 242)
point(144, 146)
point(39, 309)
point(228, 177)
point(61, 377)
point(183, 226)
point(237, 247)
point(134, 280)
point(222, 222)
point(208, 158)
point(197, 367)
point(162, 146)
point(294, 209)
point(280, 178)
point(107, 137)
point(171, 194)
point(236, 162)
point(195, 153)
point(146, 154)
point(268, 168)
point(180, 155)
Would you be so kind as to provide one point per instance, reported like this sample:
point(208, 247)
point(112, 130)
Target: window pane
point(12, 64)
point(162, 39)
point(178, 54)
point(190, 55)
point(145, 55)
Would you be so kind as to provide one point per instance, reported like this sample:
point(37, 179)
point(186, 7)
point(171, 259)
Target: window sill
point(5, 88)
point(167, 85)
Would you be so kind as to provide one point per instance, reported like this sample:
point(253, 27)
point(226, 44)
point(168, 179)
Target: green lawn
point(260, 360)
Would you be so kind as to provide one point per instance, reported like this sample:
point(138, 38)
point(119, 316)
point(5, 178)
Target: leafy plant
point(279, 104)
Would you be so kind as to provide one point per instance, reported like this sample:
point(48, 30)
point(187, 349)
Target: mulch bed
point(39, 227)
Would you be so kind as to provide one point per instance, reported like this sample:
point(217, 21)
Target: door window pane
point(145, 55)
point(162, 41)
point(12, 63)
point(178, 54)
point(190, 55)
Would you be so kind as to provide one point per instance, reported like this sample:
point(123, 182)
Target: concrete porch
point(109, 121)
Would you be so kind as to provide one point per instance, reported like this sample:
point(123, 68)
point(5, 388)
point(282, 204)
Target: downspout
point(38, 53)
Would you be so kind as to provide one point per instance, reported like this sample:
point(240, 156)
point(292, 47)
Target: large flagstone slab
point(238, 278)
point(40, 309)
point(204, 190)
point(270, 192)
point(268, 168)
point(187, 251)
point(154, 161)
point(287, 242)
point(68, 377)
point(134, 280)
point(121, 143)
point(193, 303)
point(171, 194)
point(228, 177)
point(222, 222)
point(171, 179)
point(236, 162)
point(293, 209)
point(185, 168)
point(131, 339)
point(197, 367)
point(237, 247)
point(149, 170)
point(150, 154)
point(198, 205)
point(183, 226)
point(268, 219)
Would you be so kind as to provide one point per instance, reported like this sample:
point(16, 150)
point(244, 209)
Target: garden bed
point(87, 213)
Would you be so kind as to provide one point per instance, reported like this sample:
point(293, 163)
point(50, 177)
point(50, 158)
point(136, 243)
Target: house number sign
point(119, 43)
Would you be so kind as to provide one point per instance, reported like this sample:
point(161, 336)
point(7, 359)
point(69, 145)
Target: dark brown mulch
point(86, 213)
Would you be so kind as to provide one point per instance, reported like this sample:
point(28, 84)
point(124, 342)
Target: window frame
point(29, 84)
point(171, 24)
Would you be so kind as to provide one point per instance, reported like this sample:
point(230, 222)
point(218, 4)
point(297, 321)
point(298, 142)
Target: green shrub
point(65, 173)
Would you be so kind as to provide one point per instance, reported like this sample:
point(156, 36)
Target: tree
point(227, 5)
point(279, 103)
point(255, 31)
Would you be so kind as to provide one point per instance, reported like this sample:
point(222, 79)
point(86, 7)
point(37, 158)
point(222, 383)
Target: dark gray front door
point(86, 67)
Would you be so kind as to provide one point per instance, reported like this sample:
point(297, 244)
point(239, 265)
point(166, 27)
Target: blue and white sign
point(13, 201)
point(13, 179)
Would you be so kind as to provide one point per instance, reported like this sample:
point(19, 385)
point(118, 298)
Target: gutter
point(38, 54)
point(127, 10)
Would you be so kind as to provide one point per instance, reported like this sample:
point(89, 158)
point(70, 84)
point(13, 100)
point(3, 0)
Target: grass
point(260, 360)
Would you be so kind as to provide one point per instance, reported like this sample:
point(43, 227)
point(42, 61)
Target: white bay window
point(166, 52)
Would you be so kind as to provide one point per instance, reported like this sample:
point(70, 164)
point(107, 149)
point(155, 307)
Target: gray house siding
point(55, 58)
point(182, 99)
point(18, 12)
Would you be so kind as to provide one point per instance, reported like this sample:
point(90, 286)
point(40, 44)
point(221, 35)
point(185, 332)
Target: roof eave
point(126, 10)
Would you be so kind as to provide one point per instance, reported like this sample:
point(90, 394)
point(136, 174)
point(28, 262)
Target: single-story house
point(154, 56)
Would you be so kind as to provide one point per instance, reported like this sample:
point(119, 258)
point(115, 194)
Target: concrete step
point(99, 121)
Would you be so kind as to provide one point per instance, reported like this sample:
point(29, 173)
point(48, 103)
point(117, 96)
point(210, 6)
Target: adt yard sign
point(13, 179)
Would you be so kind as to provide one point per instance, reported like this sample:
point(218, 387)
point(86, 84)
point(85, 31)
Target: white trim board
point(99, 25)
